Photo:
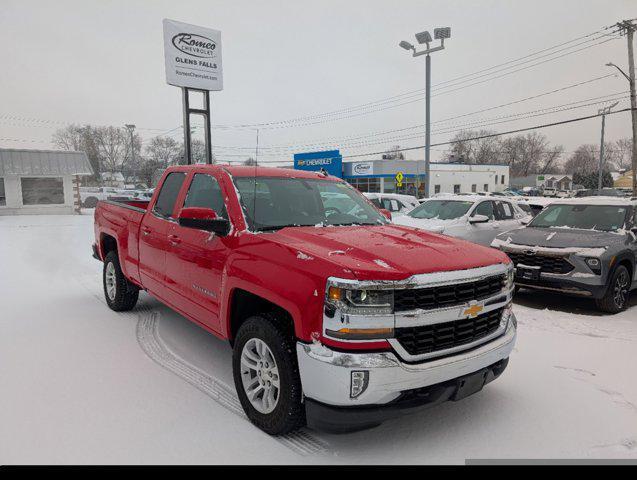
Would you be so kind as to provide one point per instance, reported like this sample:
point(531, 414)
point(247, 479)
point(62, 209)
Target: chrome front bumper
point(326, 374)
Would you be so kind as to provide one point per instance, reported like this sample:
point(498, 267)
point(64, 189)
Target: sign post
point(192, 57)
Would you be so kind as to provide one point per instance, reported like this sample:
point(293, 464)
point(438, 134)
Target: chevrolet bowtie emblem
point(473, 311)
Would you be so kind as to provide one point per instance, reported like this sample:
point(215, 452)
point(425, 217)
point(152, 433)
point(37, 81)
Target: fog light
point(594, 264)
point(359, 382)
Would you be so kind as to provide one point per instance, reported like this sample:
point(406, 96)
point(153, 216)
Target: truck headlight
point(361, 301)
point(509, 278)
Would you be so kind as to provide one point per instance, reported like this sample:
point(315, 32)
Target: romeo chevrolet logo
point(473, 311)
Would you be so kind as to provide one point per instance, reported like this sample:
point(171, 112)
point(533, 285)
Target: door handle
point(174, 239)
point(146, 230)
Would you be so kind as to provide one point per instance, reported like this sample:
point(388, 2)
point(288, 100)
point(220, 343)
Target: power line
point(519, 130)
point(448, 129)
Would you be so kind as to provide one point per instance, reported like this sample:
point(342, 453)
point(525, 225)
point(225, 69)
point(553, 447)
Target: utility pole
point(425, 37)
point(628, 27)
point(131, 129)
point(604, 111)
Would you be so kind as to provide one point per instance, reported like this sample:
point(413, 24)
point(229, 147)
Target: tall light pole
point(603, 111)
point(131, 129)
point(425, 37)
point(628, 28)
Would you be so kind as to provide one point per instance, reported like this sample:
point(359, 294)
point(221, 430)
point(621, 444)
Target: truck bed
point(121, 220)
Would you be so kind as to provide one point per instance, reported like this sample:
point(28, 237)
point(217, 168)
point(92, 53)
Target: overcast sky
point(101, 62)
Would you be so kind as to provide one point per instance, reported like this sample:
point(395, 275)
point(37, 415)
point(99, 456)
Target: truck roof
point(251, 171)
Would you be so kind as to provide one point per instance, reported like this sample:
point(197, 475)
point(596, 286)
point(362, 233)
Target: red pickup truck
point(337, 318)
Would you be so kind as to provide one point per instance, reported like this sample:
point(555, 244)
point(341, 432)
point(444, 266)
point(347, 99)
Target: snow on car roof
point(619, 201)
point(465, 198)
point(398, 196)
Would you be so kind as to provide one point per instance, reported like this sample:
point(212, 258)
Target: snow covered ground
point(82, 384)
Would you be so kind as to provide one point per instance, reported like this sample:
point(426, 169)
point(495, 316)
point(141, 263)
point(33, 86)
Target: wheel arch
point(244, 304)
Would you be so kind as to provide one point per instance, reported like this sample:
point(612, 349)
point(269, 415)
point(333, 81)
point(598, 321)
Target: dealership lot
point(89, 385)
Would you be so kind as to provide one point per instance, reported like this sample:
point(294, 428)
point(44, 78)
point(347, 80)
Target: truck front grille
point(441, 336)
point(546, 263)
point(447, 295)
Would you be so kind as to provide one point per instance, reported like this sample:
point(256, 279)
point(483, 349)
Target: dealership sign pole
point(193, 62)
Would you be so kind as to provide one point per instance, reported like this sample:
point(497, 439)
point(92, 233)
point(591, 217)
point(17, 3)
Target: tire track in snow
point(301, 441)
point(149, 339)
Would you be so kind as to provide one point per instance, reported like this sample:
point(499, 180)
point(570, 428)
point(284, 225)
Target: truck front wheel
point(266, 375)
point(121, 295)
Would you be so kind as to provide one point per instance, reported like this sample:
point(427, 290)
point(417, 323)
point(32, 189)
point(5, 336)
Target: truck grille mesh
point(447, 295)
point(441, 336)
point(546, 264)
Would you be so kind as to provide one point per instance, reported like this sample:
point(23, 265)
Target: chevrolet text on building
point(192, 56)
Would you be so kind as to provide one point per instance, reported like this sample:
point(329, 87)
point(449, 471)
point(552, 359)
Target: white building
point(380, 176)
point(39, 181)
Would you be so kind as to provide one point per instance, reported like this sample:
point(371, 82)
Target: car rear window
point(168, 194)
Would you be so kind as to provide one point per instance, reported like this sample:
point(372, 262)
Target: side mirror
point(386, 213)
point(525, 221)
point(478, 219)
point(204, 219)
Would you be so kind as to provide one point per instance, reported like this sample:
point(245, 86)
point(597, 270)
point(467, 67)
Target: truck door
point(196, 258)
point(153, 234)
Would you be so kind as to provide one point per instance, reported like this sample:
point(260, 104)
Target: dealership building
point(383, 175)
point(39, 181)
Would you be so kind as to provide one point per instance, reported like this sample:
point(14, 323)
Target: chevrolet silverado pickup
point(337, 318)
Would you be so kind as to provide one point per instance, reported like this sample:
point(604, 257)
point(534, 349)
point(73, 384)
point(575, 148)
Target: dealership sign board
point(331, 161)
point(360, 169)
point(193, 56)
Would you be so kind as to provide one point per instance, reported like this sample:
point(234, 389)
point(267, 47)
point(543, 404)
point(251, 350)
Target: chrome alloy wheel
point(620, 289)
point(111, 281)
point(260, 375)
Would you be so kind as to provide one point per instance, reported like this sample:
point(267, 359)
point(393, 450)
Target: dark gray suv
point(584, 246)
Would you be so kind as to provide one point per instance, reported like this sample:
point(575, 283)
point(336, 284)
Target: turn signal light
point(334, 293)
point(361, 333)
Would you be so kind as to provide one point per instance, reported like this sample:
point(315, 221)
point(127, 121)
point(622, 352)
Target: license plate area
point(527, 273)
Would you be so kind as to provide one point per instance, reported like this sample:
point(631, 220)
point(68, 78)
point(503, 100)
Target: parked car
point(395, 203)
point(604, 192)
point(474, 218)
point(89, 196)
point(338, 319)
point(584, 247)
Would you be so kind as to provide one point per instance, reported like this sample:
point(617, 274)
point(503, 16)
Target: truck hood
point(385, 252)
point(561, 237)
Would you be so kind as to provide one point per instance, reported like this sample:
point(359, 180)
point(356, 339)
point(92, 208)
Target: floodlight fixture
point(406, 45)
point(442, 33)
point(423, 37)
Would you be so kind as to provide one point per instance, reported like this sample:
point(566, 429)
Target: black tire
point(289, 413)
point(617, 293)
point(126, 294)
point(90, 202)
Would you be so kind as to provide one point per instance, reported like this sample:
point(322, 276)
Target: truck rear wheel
point(266, 375)
point(616, 297)
point(121, 295)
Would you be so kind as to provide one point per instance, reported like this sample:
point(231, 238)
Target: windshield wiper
point(267, 228)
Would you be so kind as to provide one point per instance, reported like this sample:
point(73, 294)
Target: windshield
point(288, 202)
point(587, 217)
point(441, 209)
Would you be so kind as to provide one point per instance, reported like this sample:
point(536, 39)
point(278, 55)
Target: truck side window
point(485, 208)
point(168, 194)
point(205, 192)
point(506, 211)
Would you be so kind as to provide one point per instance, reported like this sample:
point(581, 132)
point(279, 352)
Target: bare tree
point(251, 162)
point(394, 153)
point(111, 147)
point(585, 159)
point(624, 147)
point(472, 149)
point(163, 151)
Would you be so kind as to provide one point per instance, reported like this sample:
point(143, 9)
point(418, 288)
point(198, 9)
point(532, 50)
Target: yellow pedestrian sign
point(399, 179)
